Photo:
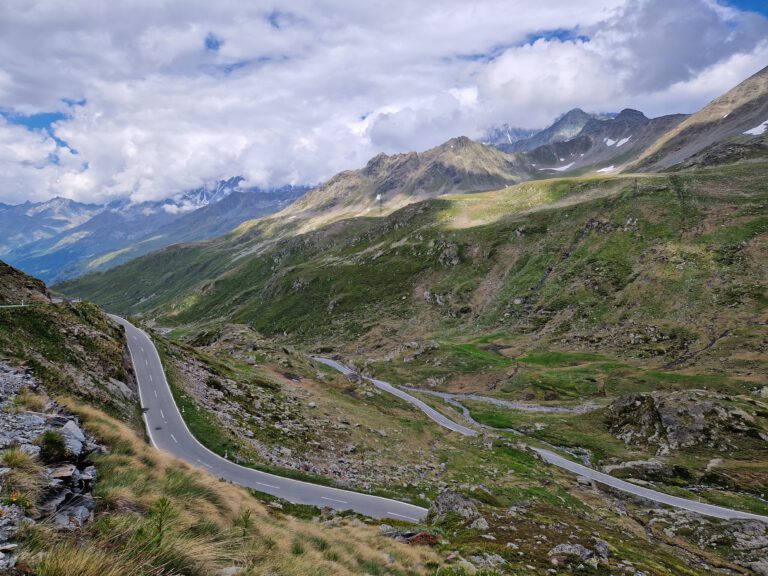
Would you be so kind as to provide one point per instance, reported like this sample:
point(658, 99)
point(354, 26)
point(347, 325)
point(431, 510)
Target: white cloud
point(297, 95)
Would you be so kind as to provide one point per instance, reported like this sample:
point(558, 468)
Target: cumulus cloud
point(163, 97)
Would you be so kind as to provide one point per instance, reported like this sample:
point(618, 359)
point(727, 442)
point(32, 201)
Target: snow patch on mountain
point(194, 199)
point(617, 143)
point(758, 130)
point(560, 168)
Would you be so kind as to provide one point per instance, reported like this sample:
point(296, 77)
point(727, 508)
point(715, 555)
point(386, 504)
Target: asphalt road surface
point(561, 462)
point(647, 493)
point(444, 421)
point(167, 431)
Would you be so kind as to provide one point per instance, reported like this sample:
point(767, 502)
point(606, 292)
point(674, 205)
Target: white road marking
point(146, 361)
point(406, 517)
point(174, 438)
point(268, 485)
point(161, 414)
point(142, 349)
point(203, 463)
point(334, 500)
point(155, 391)
point(150, 378)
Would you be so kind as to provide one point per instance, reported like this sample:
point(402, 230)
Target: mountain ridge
point(731, 116)
point(105, 235)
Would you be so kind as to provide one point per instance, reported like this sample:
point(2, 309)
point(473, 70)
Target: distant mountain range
point(389, 182)
point(603, 144)
point(383, 251)
point(564, 128)
point(506, 135)
point(61, 238)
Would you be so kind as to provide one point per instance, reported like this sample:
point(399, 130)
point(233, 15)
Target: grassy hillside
point(561, 292)
point(161, 516)
point(158, 515)
point(71, 348)
point(667, 270)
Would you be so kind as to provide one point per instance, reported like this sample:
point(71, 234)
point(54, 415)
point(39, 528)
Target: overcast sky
point(147, 98)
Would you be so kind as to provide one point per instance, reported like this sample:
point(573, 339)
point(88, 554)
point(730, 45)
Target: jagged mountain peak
point(383, 162)
point(505, 134)
point(631, 115)
point(55, 205)
point(457, 165)
point(572, 114)
point(564, 128)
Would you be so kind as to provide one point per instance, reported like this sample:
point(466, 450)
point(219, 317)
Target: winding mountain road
point(561, 462)
point(168, 431)
point(444, 421)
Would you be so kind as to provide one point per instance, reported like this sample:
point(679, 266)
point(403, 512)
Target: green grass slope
point(668, 270)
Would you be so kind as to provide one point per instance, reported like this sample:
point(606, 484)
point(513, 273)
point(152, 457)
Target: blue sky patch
point(279, 19)
point(562, 34)
point(759, 6)
point(42, 121)
point(485, 57)
point(213, 42)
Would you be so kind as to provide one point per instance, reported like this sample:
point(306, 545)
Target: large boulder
point(564, 553)
point(74, 437)
point(451, 503)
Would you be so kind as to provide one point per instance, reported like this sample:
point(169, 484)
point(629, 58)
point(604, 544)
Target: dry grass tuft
point(160, 516)
point(31, 400)
point(25, 480)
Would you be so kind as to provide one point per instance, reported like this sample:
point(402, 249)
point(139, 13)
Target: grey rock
point(32, 420)
point(450, 502)
point(480, 524)
point(575, 550)
point(601, 547)
point(63, 472)
point(675, 420)
point(72, 518)
point(87, 501)
point(88, 474)
point(50, 505)
point(487, 560)
point(31, 449)
point(73, 437)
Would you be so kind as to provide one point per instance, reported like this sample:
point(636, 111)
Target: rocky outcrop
point(564, 554)
point(59, 450)
point(671, 421)
point(744, 542)
point(452, 504)
point(17, 287)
